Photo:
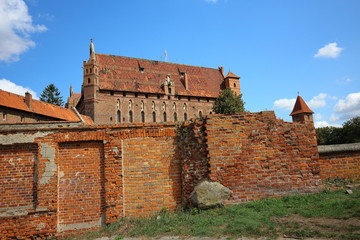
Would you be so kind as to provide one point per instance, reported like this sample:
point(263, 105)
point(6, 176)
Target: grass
point(329, 214)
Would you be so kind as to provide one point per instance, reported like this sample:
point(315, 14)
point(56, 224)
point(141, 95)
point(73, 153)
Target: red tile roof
point(124, 73)
point(232, 75)
point(15, 101)
point(300, 107)
point(74, 99)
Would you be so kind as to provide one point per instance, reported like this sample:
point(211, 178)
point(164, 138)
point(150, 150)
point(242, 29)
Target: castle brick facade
point(120, 89)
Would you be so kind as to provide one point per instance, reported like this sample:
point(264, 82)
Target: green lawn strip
point(253, 219)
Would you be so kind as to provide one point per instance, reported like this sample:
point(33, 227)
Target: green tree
point(228, 103)
point(348, 133)
point(351, 130)
point(51, 95)
point(329, 135)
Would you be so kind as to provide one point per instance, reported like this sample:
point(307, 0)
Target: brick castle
point(119, 89)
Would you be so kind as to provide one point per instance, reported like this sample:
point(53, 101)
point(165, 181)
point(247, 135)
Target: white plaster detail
point(48, 152)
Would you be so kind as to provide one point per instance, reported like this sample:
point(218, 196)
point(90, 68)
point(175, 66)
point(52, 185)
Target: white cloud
point(318, 101)
point(15, 28)
point(9, 86)
point(334, 117)
point(320, 124)
point(287, 104)
point(347, 108)
point(318, 116)
point(330, 50)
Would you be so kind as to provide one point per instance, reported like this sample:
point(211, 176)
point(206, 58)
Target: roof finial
point(298, 93)
point(92, 49)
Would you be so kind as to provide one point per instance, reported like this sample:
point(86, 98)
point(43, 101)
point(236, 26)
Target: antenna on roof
point(165, 55)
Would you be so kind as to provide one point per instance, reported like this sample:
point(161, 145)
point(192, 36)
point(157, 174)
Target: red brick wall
point(341, 165)
point(79, 178)
point(191, 142)
point(152, 176)
point(259, 156)
point(17, 171)
point(81, 185)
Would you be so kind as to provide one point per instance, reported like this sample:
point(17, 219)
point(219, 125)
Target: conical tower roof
point(231, 75)
point(300, 107)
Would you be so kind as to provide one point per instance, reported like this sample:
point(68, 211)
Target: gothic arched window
point(165, 117)
point(142, 116)
point(130, 116)
point(154, 116)
point(118, 116)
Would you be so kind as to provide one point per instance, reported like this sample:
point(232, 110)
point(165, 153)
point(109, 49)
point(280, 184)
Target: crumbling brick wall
point(259, 156)
point(60, 178)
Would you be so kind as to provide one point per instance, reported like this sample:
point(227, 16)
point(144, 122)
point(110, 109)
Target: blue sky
point(277, 47)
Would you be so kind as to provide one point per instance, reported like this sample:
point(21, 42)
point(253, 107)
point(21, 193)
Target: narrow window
point(130, 116)
point(88, 80)
point(142, 105)
point(164, 116)
point(22, 118)
point(136, 95)
point(185, 116)
point(142, 116)
point(234, 85)
point(154, 116)
point(164, 106)
point(112, 93)
point(175, 117)
point(118, 116)
point(124, 94)
point(4, 115)
point(110, 119)
point(200, 114)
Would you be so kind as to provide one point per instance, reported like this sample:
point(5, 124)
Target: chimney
point(28, 98)
point(221, 69)
point(186, 81)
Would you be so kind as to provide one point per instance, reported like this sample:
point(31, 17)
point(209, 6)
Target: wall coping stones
point(323, 149)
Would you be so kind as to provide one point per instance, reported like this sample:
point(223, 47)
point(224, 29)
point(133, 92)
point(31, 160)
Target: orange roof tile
point(74, 99)
point(232, 75)
point(123, 73)
point(300, 107)
point(15, 101)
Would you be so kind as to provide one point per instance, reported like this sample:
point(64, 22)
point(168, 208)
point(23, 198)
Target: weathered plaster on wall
point(48, 152)
point(22, 137)
point(78, 226)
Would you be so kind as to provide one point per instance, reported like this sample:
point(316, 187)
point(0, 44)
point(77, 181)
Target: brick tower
point(301, 112)
point(90, 87)
point(232, 82)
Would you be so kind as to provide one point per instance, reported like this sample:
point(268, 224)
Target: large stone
point(209, 194)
